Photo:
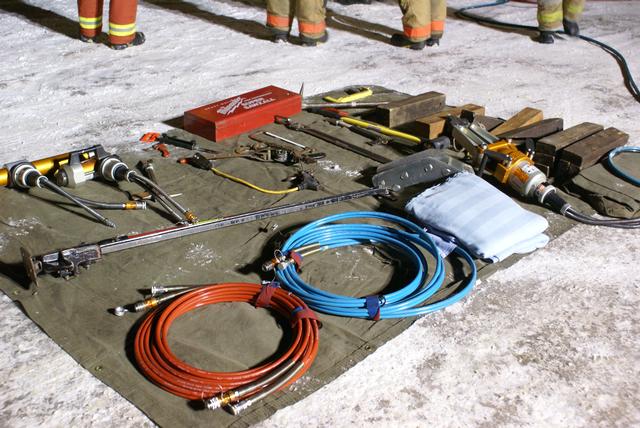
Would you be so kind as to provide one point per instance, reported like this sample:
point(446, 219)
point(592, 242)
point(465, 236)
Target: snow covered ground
point(551, 341)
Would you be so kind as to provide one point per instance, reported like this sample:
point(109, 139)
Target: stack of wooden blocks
point(559, 153)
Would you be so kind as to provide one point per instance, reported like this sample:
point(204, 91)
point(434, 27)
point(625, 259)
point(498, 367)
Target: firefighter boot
point(546, 37)
point(86, 39)
point(400, 40)
point(310, 42)
point(433, 41)
point(138, 39)
point(571, 28)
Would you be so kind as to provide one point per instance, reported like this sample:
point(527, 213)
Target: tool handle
point(167, 139)
point(331, 113)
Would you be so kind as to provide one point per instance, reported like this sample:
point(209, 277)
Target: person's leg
point(572, 10)
point(438, 16)
point(311, 21)
point(549, 19)
point(122, 24)
point(279, 18)
point(90, 19)
point(416, 22)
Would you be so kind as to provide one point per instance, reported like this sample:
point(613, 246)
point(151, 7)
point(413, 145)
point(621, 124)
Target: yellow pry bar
point(381, 129)
point(364, 93)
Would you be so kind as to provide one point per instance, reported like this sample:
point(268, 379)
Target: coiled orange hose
point(158, 363)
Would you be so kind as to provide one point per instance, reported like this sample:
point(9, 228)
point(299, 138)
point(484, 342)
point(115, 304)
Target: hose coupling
point(135, 205)
point(157, 290)
point(221, 400)
point(145, 304)
point(239, 407)
point(190, 216)
point(278, 260)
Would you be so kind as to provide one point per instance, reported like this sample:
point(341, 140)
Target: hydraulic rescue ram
point(422, 167)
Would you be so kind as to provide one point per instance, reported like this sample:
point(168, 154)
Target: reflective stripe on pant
point(90, 17)
point(438, 16)
point(310, 14)
point(551, 12)
point(122, 19)
point(423, 18)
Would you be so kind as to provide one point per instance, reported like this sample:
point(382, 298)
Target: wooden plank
point(398, 113)
point(432, 126)
point(544, 159)
point(536, 130)
point(588, 151)
point(556, 142)
point(564, 171)
point(524, 117)
point(546, 169)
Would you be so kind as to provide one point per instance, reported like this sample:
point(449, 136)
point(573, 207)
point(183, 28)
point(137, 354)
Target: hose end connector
point(221, 400)
point(190, 216)
point(239, 407)
point(135, 205)
point(279, 261)
point(145, 304)
point(548, 195)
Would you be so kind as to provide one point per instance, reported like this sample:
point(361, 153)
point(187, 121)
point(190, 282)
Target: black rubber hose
point(620, 59)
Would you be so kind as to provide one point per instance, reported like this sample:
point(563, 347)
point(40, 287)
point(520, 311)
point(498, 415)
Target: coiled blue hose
point(325, 233)
point(616, 169)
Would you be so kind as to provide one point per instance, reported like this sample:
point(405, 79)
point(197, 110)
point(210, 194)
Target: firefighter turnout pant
point(122, 19)
point(310, 13)
point(423, 19)
point(552, 12)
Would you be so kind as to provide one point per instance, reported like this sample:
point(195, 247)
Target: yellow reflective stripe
point(122, 30)
point(90, 23)
point(550, 17)
point(574, 9)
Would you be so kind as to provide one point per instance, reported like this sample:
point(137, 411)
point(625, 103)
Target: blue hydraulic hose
point(616, 169)
point(409, 239)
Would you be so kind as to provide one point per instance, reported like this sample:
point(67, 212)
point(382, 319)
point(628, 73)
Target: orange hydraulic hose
point(158, 363)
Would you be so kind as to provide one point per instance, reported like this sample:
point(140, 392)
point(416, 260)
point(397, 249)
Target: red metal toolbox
point(241, 113)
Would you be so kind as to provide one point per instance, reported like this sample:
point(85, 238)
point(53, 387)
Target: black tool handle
point(167, 139)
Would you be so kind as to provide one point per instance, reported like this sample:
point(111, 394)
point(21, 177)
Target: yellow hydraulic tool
point(87, 157)
point(510, 165)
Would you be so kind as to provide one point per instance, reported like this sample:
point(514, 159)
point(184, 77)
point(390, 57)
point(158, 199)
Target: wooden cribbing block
point(564, 171)
point(524, 117)
point(554, 143)
point(545, 163)
point(398, 113)
point(432, 126)
point(543, 159)
point(588, 151)
point(536, 130)
point(547, 170)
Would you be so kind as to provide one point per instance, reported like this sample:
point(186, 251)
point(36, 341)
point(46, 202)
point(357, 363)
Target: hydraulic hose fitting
point(239, 407)
point(157, 290)
point(145, 304)
point(111, 168)
point(278, 259)
point(548, 195)
point(135, 205)
point(190, 216)
point(221, 400)
point(25, 176)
